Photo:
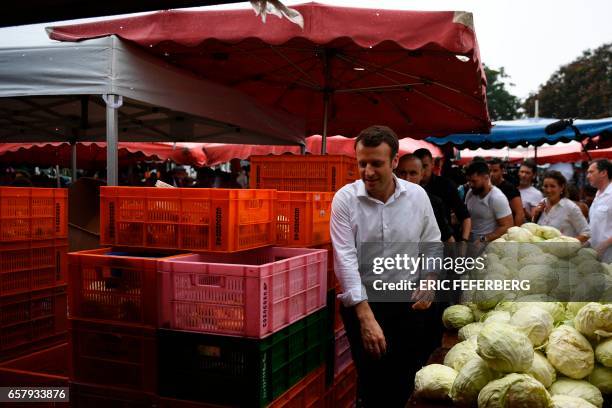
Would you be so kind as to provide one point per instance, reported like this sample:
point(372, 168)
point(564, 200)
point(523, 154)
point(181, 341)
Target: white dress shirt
point(358, 218)
point(530, 197)
point(567, 217)
point(600, 219)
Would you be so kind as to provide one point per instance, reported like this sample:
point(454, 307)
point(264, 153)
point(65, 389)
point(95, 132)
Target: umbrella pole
point(324, 136)
point(74, 161)
point(113, 103)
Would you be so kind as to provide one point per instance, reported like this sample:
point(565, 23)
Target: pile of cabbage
point(530, 350)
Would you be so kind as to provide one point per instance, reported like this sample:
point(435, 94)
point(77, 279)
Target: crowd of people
point(486, 204)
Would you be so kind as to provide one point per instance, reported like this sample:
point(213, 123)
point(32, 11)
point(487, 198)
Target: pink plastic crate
point(250, 294)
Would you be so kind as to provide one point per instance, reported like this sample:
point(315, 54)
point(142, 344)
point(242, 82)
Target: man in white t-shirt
point(599, 175)
point(530, 196)
point(488, 206)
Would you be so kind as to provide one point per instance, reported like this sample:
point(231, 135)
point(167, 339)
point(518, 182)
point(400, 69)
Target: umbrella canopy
point(220, 153)
point(524, 132)
point(559, 153)
point(417, 72)
point(93, 155)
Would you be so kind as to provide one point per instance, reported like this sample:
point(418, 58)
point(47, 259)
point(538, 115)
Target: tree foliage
point(580, 89)
point(502, 104)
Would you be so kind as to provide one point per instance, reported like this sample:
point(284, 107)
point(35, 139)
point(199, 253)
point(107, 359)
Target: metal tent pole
point(113, 103)
point(73, 145)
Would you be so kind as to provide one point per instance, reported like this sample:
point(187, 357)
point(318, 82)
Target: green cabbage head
point(457, 316)
point(514, 390)
point(504, 348)
point(472, 377)
point(542, 370)
point(594, 319)
point(570, 352)
point(461, 353)
point(577, 388)
point(603, 353)
point(434, 381)
point(565, 401)
point(535, 322)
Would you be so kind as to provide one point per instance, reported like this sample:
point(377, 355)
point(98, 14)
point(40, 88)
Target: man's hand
point(424, 298)
point(372, 335)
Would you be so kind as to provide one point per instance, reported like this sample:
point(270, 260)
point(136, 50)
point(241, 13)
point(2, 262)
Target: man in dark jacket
point(446, 189)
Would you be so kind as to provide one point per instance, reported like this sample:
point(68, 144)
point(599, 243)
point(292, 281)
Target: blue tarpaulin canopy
point(525, 132)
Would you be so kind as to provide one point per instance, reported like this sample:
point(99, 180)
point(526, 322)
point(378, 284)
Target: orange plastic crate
point(29, 319)
point(343, 393)
point(93, 396)
point(303, 218)
point(121, 356)
point(342, 352)
point(308, 393)
point(115, 286)
point(33, 213)
point(220, 220)
point(27, 266)
point(303, 173)
point(45, 368)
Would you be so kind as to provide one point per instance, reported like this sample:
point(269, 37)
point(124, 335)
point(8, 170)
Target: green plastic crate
point(240, 371)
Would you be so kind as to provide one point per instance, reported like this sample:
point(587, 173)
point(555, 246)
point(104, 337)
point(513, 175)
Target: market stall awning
point(418, 72)
point(92, 155)
point(569, 152)
point(221, 153)
point(524, 132)
point(53, 92)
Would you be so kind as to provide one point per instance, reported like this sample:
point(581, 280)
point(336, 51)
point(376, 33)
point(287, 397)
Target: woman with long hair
point(558, 211)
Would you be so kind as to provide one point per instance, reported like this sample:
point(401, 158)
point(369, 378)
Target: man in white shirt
point(488, 206)
point(530, 196)
point(600, 213)
point(380, 209)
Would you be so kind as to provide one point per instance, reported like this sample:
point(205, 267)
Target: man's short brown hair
point(375, 135)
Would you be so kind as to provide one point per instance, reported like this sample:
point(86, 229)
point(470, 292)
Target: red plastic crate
point(308, 393)
point(45, 368)
point(303, 218)
point(32, 265)
point(91, 396)
point(303, 173)
point(28, 319)
point(119, 356)
point(343, 393)
point(338, 323)
point(193, 219)
point(250, 294)
point(115, 286)
point(342, 352)
point(33, 213)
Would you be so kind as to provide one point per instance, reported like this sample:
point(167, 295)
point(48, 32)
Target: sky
point(531, 39)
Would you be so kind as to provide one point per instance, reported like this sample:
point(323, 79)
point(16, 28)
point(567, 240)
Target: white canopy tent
point(106, 89)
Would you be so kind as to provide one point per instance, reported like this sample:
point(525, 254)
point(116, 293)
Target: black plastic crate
point(240, 371)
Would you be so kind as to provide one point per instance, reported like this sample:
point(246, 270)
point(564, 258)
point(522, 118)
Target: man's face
point(376, 167)
point(410, 170)
point(525, 175)
point(478, 182)
point(595, 177)
point(427, 169)
point(497, 174)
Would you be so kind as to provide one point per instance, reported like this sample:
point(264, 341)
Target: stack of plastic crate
point(33, 247)
point(303, 221)
point(243, 327)
point(236, 322)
